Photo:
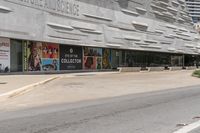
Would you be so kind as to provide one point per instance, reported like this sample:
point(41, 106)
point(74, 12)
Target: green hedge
point(196, 73)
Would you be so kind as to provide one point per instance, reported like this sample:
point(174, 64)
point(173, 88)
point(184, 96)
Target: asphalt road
point(195, 131)
point(155, 112)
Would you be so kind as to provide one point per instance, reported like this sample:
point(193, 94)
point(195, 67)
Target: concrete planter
point(191, 68)
point(152, 69)
point(129, 69)
point(175, 68)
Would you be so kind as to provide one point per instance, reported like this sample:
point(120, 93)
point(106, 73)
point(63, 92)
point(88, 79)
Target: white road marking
point(189, 128)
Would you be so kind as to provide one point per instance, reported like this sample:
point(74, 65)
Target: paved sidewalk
point(12, 82)
point(18, 83)
point(71, 88)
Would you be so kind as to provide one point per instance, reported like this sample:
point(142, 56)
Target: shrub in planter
point(196, 73)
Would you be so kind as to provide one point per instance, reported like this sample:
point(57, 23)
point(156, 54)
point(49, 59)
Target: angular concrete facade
point(146, 25)
point(96, 34)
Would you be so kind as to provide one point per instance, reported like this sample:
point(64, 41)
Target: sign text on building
point(68, 7)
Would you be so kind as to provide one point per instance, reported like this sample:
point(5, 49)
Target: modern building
point(194, 9)
point(56, 35)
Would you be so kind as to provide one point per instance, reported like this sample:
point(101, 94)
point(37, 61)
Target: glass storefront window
point(158, 59)
point(177, 60)
point(118, 58)
point(114, 59)
point(190, 60)
point(39, 56)
point(16, 56)
point(147, 59)
point(122, 58)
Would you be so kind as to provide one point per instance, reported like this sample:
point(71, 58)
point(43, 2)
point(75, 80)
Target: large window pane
point(16, 56)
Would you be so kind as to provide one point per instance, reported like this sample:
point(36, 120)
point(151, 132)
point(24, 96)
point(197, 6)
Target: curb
point(25, 89)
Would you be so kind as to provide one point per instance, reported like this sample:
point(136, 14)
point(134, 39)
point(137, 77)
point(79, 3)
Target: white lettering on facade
point(68, 7)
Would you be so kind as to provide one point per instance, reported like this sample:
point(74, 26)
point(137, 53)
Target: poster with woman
point(40, 56)
point(106, 63)
point(34, 54)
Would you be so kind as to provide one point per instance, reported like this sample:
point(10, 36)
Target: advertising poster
point(40, 56)
point(4, 55)
point(106, 63)
point(50, 57)
point(50, 64)
point(32, 56)
point(50, 51)
point(92, 58)
point(71, 57)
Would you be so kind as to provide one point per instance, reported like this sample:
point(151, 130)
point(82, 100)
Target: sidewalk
point(69, 88)
point(10, 83)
